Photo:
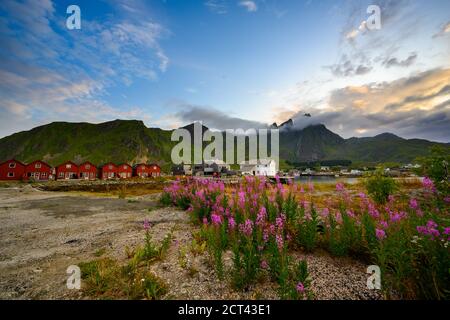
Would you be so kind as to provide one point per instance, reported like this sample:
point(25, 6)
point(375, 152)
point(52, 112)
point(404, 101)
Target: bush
point(380, 187)
point(436, 167)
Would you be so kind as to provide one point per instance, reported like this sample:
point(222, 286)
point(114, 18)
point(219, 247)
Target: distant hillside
point(316, 142)
point(117, 141)
point(131, 141)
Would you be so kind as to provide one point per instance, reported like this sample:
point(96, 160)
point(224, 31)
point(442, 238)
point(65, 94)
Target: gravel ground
point(42, 233)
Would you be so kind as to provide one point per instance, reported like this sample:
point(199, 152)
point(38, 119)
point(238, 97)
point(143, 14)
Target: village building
point(38, 170)
point(87, 171)
point(262, 167)
point(109, 171)
point(12, 170)
point(142, 170)
point(67, 170)
point(124, 171)
point(155, 170)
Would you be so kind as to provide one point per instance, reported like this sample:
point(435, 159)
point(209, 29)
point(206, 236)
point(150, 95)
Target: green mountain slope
point(131, 141)
point(117, 141)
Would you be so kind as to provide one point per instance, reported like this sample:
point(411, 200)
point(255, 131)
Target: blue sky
point(228, 63)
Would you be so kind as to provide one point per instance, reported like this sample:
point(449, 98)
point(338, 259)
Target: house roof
point(13, 160)
point(40, 161)
point(88, 162)
point(67, 162)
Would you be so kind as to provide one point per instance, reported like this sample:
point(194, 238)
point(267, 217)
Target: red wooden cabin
point(67, 170)
point(155, 170)
point(142, 170)
point(109, 171)
point(12, 170)
point(124, 171)
point(38, 170)
point(87, 171)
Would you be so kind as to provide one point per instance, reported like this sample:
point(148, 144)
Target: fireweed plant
point(262, 224)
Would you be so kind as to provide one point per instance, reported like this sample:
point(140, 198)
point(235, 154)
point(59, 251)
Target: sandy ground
point(42, 233)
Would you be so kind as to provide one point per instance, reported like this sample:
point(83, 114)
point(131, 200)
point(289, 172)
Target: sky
point(229, 63)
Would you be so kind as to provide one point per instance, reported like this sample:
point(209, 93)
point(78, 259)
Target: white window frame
point(38, 165)
point(12, 165)
point(10, 175)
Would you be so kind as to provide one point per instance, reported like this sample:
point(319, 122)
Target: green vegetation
point(379, 186)
point(105, 278)
point(131, 141)
point(436, 167)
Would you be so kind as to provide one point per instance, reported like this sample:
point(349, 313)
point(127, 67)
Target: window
point(110, 167)
point(12, 165)
point(68, 166)
point(10, 174)
point(44, 174)
point(38, 166)
point(88, 166)
point(61, 174)
point(124, 167)
point(154, 168)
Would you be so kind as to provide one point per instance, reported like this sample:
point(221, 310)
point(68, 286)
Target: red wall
point(67, 170)
point(124, 171)
point(155, 170)
point(39, 170)
point(17, 172)
point(87, 171)
point(142, 170)
point(109, 170)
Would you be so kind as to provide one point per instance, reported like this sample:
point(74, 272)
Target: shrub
point(380, 186)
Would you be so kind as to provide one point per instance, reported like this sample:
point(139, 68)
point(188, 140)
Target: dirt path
point(42, 233)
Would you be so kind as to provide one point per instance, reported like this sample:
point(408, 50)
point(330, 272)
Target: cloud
point(394, 62)
point(346, 68)
point(413, 107)
point(445, 30)
point(214, 119)
point(49, 73)
point(249, 5)
point(217, 6)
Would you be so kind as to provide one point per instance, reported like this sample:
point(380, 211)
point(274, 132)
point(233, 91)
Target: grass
point(106, 278)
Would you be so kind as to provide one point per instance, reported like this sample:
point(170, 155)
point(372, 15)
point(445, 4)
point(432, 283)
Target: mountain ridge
point(131, 141)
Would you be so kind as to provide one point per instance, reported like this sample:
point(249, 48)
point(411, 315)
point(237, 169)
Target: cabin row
point(39, 170)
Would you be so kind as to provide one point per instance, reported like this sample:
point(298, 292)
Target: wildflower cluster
point(263, 223)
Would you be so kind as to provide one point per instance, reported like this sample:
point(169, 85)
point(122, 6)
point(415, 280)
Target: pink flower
point(300, 287)
point(340, 187)
point(380, 234)
point(280, 242)
point(261, 216)
point(264, 265)
point(428, 184)
point(146, 225)
point(325, 212)
point(247, 227)
point(231, 223)
point(205, 220)
point(447, 231)
point(384, 224)
point(311, 187)
point(216, 219)
point(413, 204)
point(279, 221)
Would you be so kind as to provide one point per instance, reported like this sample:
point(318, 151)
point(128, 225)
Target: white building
point(263, 167)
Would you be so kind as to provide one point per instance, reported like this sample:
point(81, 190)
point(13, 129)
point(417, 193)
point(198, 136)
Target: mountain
point(131, 141)
point(316, 142)
point(117, 141)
